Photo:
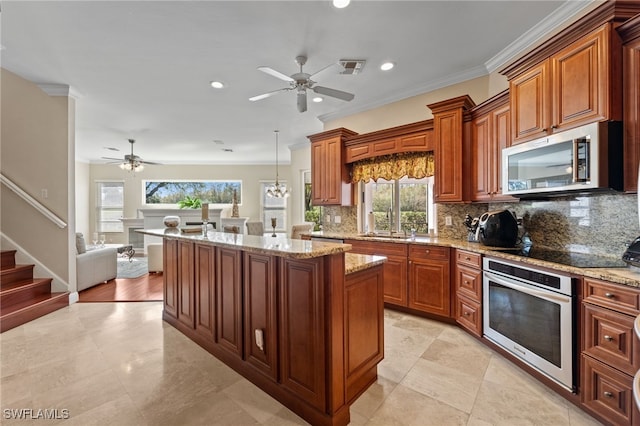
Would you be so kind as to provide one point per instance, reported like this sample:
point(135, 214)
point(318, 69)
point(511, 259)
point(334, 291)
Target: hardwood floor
point(142, 289)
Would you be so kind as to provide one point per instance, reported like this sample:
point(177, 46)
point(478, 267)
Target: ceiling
point(142, 68)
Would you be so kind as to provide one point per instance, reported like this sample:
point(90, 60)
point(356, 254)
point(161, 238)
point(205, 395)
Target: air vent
point(352, 66)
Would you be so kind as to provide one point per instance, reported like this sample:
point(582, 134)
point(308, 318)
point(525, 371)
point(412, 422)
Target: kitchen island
point(302, 320)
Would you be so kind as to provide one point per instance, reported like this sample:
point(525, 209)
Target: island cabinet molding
point(287, 319)
point(630, 34)
point(330, 180)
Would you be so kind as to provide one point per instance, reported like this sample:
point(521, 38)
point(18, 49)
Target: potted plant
point(190, 203)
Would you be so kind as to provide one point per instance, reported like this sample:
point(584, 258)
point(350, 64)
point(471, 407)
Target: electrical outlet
point(448, 221)
point(337, 219)
point(327, 218)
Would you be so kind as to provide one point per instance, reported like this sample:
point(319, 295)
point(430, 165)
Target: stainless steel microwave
point(586, 158)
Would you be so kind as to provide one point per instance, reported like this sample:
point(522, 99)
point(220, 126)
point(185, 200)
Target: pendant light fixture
point(277, 190)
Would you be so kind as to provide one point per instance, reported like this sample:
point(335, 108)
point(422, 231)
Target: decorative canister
point(171, 221)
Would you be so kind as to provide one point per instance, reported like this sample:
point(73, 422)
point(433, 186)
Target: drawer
point(469, 282)
point(607, 391)
point(469, 314)
point(418, 251)
point(613, 296)
point(609, 336)
point(469, 258)
point(379, 248)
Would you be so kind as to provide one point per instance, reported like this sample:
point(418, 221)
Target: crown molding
point(558, 18)
point(432, 85)
point(59, 90)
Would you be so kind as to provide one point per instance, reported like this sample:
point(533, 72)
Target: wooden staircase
point(22, 297)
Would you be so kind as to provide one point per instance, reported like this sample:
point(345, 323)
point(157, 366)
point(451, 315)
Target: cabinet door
point(302, 341)
point(186, 283)
point(429, 287)
point(469, 314)
point(448, 134)
point(170, 277)
point(333, 171)
point(205, 289)
point(482, 151)
point(260, 321)
point(530, 103)
point(580, 82)
point(229, 300)
point(395, 280)
point(631, 99)
point(318, 173)
point(501, 131)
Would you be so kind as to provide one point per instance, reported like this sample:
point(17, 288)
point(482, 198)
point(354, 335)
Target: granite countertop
point(626, 276)
point(354, 262)
point(278, 246)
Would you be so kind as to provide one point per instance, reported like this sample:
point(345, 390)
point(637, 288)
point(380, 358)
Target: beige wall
point(37, 141)
point(82, 191)
point(251, 175)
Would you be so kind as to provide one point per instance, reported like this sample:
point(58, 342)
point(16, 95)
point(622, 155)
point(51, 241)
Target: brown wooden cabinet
point(491, 132)
point(330, 184)
point(170, 277)
point(630, 33)
point(395, 268)
point(260, 315)
point(452, 153)
point(186, 284)
point(578, 84)
point(429, 279)
point(468, 288)
point(205, 273)
point(229, 300)
point(610, 350)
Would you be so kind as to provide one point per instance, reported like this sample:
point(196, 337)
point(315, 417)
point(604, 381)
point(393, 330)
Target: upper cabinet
point(451, 138)
point(630, 34)
point(330, 183)
point(491, 133)
point(577, 85)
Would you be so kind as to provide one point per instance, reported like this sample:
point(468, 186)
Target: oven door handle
point(548, 295)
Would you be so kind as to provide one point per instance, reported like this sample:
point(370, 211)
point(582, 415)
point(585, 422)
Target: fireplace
point(134, 238)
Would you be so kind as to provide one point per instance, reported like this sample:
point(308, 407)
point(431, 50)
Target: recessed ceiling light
point(217, 84)
point(387, 66)
point(317, 99)
point(341, 3)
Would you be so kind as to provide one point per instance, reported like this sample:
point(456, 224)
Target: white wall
point(251, 175)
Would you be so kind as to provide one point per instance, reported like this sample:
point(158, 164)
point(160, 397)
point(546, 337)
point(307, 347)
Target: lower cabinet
point(170, 277)
point(468, 288)
point(228, 290)
point(429, 279)
point(395, 268)
point(611, 351)
point(205, 274)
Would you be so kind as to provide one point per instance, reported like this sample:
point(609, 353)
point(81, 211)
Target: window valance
point(395, 166)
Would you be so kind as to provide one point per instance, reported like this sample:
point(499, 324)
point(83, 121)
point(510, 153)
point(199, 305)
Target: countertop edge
point(355, 262)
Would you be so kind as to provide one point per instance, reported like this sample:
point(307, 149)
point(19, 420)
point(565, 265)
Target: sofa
point(94, 266)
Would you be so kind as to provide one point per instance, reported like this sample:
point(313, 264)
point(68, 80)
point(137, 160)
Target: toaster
point(632, 254)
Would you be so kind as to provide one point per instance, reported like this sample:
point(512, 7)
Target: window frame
point(99, 207)
point(173, 205)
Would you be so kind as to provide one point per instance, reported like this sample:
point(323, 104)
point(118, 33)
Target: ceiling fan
point(131, 162)
point(302, 81)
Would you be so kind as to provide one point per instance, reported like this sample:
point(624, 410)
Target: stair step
point(7, 259)
point(23, 312)
point(17, 292)
point(16, 274)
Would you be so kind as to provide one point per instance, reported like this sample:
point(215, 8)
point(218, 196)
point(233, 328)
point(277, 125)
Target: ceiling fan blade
point(266, 95)
point(149, 162)
point(334, 93)
point(276, 74)
point(335, 67)
point(302, 101)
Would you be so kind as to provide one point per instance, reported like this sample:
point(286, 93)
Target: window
point(158, 192)
point(109, 206)
point(311, 213)
point(410, 200)
point(273, 208)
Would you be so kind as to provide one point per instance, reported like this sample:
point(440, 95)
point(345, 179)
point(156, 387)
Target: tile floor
point(119, 364)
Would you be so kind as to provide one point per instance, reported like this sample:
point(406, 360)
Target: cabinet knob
point(467, 258)
point(609, 295)
point(608, 338)
point(608, 394)
point(466, 282)
point(427, 251)
point(467, 313)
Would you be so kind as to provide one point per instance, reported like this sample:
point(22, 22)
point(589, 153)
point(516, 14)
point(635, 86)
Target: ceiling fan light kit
point(302, 81)
point(131, 163)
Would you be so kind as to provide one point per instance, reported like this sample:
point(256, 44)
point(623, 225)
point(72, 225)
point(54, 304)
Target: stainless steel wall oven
point(532, 314)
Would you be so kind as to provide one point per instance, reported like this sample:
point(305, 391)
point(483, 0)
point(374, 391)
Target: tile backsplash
point(599, 223)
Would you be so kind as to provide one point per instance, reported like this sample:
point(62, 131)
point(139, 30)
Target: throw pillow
point(81, 246)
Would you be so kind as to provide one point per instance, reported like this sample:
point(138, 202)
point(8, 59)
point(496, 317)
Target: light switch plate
point(337, 219)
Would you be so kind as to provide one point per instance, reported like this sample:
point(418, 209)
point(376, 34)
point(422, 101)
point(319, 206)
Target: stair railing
point(32, 201)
